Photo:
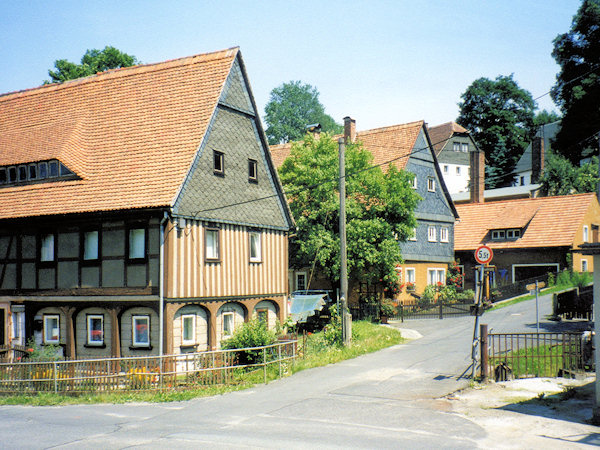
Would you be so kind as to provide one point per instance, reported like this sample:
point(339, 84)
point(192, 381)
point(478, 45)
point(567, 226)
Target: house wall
point(421, 279)
point(453, 159)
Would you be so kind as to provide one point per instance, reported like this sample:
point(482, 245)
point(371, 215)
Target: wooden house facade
point(141, 213)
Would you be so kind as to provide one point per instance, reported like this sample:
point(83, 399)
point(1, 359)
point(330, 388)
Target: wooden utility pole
point(345, 316)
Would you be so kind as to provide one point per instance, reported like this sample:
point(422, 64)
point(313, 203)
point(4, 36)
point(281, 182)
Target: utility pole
point(346, 320)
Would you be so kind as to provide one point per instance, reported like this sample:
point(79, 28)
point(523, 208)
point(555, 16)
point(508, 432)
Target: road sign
point(483, 254)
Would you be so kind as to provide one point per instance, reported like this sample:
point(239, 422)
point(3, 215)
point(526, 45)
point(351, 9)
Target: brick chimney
point(537, 158)
point(477, 176)
point(349, 129)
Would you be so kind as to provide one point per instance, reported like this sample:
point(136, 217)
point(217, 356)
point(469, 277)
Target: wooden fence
point(142, 373)
point(526, 355)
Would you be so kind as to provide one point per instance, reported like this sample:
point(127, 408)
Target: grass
point(366, 338)
point(539, 361)
point(524, 298)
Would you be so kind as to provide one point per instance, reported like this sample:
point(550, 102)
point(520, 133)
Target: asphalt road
point(382, 400)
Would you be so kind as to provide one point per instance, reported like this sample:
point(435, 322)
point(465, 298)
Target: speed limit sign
point(483, 254)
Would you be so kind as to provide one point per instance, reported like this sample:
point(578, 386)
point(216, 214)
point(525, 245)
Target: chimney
point(349, 129)
point(315, 129)
point(537, 158)
point(477, 176)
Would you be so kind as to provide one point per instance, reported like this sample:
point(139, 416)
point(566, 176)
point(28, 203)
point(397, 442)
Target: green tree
point(380, 211)
point(291, 107)
point(500, 115)
point(561, 177)
point(577, 88)
point(544, 117)
point(92, 62)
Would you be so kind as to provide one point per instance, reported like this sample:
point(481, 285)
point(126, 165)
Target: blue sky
point(381, 62)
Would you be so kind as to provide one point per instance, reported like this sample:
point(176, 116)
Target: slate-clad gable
point(235, 93)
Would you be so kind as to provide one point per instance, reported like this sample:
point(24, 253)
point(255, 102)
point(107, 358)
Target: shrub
point(448, 294)
point(332, 333)
point(387, 308)
point(44, 352)
point(429, 293)
point(251, 334)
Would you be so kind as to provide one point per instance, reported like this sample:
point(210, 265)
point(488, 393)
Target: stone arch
point(38, 325)
point(229, 316)
point(128, 346)
point(85, 349)
point(201, 321)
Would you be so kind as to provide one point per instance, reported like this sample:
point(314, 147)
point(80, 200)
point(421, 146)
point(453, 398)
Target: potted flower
point(410, 286)
point(387, 309)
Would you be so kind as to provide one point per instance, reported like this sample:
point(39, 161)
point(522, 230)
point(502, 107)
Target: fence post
point(483, 332)
point(265, 363)
point(55, 380)
point(402, 312)
point(279, 358)
point(441, 309)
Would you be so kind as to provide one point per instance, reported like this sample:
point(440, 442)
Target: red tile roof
point(388, 144)
point(549, 221)
point(130, 134)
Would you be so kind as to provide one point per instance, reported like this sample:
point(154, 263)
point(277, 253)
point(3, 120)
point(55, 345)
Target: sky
point(380, 62)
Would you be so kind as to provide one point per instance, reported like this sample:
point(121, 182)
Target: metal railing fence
point(142, 373)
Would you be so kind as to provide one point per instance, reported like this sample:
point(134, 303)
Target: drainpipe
point(161, 288)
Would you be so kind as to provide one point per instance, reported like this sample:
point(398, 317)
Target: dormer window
point(34, 172)
point(512, 233)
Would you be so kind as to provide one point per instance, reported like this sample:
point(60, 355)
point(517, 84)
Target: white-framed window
point(140, 331)
point(498, 234)
point(301, 281)
point(413, 237)
point(413, 181)
point(430, 184)
point(586, 234)
point(431, 233)
point(513, 233)
point(456, 146)
point(95, 329)
point(263, 316)
point(90, 245)
point(446, 169)
point(436, 276)
point(457, 170)
point(211, 244)
point(137, 243)
point(444, 234)
point(188, 329)
point(584, 265)
point(47, 248)
point(252, 170)
point(228, 324)
point(51, 329)
point(255, 246)
point(218, 162)
point(410, 275)
point(465, 147)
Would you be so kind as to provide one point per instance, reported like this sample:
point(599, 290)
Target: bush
point(448, 294)
point(429, 293)
point(570, 278)
point(251, 334)
point(466, 295)
point(43, 353)
point(332, 333)
point(387, 308)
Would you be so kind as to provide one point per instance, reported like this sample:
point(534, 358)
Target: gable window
point(445, 169)
point(413, 182)
point(301, 281)
point(465, 148)
point(228, 324)
point(252, 171)
point(51, 329)
point(444, 234)
point(137, 243)
point(188, 329)
point(413, 237)
point(255, 246)
point(431, 233)
point(430, 184)
point(218, 163)
point(457, 170)
point(140, 331)
point(47, 248)
point(90, 245)
point(95, 329)
point(586, 234)
point(456, 146)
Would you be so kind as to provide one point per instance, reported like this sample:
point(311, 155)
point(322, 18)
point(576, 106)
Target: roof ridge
point(121, 72)
point(529, 200)
point(390, 127)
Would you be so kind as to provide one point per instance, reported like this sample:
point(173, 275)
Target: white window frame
point(431, 184)
point(456, 146)
point(301, 274)
point(457, 170)
point(446, 168)
point(513, 233)
point(225, 317)
point(212, 252)
point(141, 318)
point(414, 235)
point(435, 276)
point(431, 233)
point(444, 234)
point(188, 318)
point(256, 250)
point(413, 182)
point(411, 275)
point(464, 147)
point(89, 319)
point(498, 235)
point(586, 233)
point(584, 265)
point(53, 338)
